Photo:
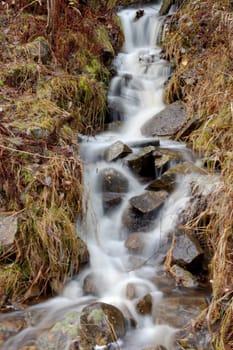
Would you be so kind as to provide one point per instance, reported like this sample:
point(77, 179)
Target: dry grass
point(199, 43)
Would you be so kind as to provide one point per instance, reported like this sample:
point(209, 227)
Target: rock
point(38, 50)
point(62, 334)
point(165, 7)
point(141, 213)
point(145, 142)
point(90, 284)
point(149, 201)
point(163, 158)
point(167, 122)
point(178, 311)
point(190, 126)
point(111, 200)
point(101, 324)
point(186, 252)
point(142, 163)
point(168, 180)
point(135, 243)
point(183, 277)
point(144, 305)
point(112, 180)
point(8, 230)
point(117, 150)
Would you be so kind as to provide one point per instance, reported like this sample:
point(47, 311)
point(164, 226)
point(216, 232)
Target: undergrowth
point(198, 43)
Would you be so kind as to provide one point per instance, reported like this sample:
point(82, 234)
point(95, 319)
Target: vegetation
point(55, 59)
point(198, 43)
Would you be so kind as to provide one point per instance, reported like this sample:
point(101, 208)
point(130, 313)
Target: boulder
point(117, 150)
point(101, 324)
point(149, 201)
point(186, 252)
point(141, 213)
point(168, 180)
point(111, 200)
point(167, 122)
point(145, 142)
point(142, 163)
point(112, 180)
point(38, 50)
point(164, 158)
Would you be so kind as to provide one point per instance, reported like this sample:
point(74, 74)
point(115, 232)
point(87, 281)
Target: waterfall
point(135, 95)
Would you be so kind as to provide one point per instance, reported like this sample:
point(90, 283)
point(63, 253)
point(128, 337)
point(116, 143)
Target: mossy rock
point(38, 50)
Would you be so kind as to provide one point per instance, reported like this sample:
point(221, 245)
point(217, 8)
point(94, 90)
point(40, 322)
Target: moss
point(98, 71)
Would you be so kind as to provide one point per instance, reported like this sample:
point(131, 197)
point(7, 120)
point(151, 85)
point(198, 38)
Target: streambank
point(198, 44)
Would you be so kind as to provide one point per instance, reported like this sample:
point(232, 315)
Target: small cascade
point(117, 274)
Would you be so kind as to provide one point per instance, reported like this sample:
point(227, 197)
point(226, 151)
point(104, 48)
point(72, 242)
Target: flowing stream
point(135, 95)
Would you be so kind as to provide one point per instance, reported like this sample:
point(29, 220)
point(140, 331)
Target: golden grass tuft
point(198, 42)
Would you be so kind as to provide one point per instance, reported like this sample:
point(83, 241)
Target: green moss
point(98, 71)
point(103, 38)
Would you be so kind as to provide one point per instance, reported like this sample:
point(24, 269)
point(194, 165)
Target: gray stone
point(142, 163)
point(167, 122)
point(101, 324)
point(163, 159)
point(168, 180)
point(112, 180)
point(142, 211)
point(117, 150)
point(149, 201)
point(8, 230)
point(186, 252)
point(183, 277)
point(111, 200)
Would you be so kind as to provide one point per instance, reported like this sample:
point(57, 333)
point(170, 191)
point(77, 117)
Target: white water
point(135, 95)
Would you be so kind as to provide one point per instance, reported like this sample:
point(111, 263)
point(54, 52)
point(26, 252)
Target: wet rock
point(144, 305)
point(167, 122)
point(111, 200)
point(141, 213)
point(165, 7)
point(101, 324)
point(8, 230)
point(149, 201)
point(10, 327)
point(90, 284)
point(163, 158)
point(135, 243)
point(145, 142)
point(117, 150)
point(169, 179)
point(186, 252)
point(142, 163)
point(183, 277)
point(112, 180)
point(179, 311)
point(63, 333)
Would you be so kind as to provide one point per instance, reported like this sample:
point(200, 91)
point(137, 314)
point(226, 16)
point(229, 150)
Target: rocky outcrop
point(142, 162)
point(167, 122)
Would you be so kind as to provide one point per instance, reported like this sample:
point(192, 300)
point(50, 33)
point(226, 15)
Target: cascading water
point(135, 95)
